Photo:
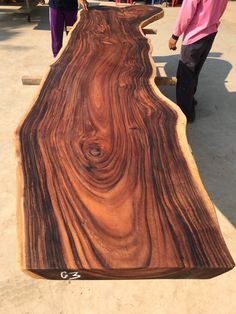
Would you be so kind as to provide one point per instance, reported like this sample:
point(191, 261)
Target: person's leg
point(192, 59)
point(70, 17)
point(210, 40)
point(185, 90)
point(57, 22)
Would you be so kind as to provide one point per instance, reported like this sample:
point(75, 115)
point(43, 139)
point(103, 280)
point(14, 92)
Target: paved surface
point(25, 50)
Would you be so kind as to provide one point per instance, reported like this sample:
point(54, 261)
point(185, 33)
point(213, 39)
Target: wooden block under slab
point(31, 80)
point(146, 31)
point(160, 81)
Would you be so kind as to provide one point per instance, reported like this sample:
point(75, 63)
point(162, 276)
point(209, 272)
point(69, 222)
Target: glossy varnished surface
point(108, 185)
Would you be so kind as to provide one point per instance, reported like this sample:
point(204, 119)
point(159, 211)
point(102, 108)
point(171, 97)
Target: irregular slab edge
point(186, 150)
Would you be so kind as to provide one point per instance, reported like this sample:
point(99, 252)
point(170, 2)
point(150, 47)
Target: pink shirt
point(198, 18)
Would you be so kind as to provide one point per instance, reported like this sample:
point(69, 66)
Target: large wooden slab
point(108, 187)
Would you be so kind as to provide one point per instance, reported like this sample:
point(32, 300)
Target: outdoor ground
point(25, 50)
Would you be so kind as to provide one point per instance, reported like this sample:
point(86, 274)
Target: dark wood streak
point(110, 187)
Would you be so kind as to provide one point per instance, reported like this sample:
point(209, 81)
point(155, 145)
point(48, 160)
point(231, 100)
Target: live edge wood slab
point(108, 187)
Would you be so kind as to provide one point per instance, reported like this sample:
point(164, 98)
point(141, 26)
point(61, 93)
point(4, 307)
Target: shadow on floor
point(41, 17)
point(212, 135)
point(10, 23)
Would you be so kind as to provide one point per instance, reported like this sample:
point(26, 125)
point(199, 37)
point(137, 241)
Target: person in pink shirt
point(198, 22)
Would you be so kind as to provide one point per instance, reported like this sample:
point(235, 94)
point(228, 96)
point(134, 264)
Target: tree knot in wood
point(94, 148)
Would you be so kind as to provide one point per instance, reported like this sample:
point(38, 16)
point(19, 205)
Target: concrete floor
point(25, 50)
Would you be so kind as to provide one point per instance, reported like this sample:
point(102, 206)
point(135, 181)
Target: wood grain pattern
point(108, 186)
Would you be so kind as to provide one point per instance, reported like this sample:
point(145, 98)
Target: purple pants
point(59, 19)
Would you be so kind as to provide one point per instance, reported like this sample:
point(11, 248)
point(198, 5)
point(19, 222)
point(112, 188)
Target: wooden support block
point(149, 31)
point(108, 187)
point(146, 31)
point(163, 81)
point(31, 80)
point(160, 81)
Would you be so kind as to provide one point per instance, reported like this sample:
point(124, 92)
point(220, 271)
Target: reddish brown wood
point(108, 185)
